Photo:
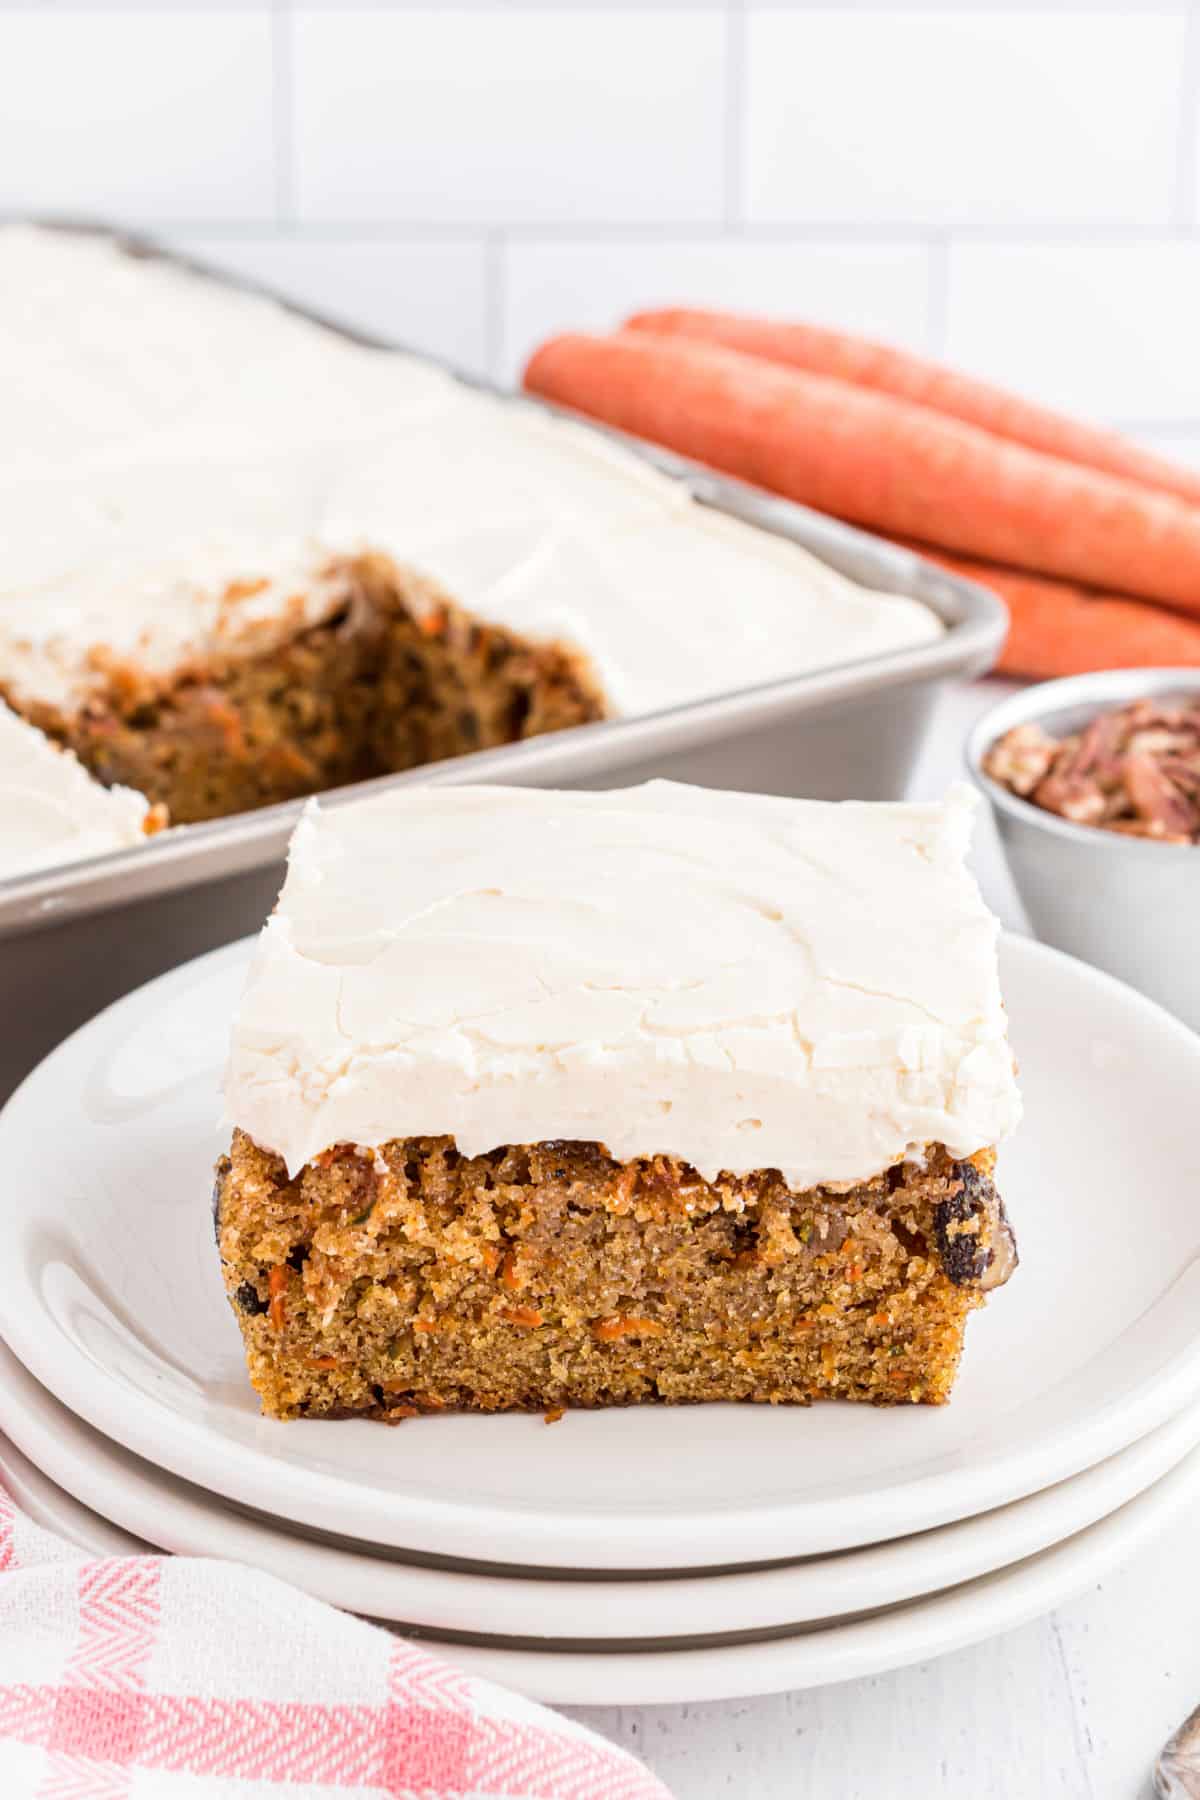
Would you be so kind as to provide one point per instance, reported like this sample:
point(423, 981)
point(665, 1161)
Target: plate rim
point(933, 1626)
point(331, 1502)
point(69, 1453)
point(936, 1625)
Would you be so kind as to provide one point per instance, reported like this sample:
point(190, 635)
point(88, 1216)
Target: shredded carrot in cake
point(526, 1316)
point(277, 1288)
point(619, 1325)
point(511, 1274)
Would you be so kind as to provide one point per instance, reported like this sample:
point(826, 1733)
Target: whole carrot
point(880, 461)
point(1058, 628)
point(891, 371)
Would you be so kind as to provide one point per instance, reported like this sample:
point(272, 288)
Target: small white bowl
point(1126, 904)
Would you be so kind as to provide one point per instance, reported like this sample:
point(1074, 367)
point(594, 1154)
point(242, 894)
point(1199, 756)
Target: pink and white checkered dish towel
point(151, 1678)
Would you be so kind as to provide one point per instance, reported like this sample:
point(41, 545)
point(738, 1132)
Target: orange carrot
point(880, 461)
point(1060, 629)
point(891, 371)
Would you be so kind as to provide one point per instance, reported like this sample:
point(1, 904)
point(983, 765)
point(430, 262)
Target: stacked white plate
point(640, 1555)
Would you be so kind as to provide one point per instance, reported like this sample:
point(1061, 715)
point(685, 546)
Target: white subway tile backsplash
point(1011, 183)
point(940, 118)
point(134, 115)
point(1019, 7)
point(543, 6)
point(880, 289)
point(1107, 330)
point(430, 296)
point(66, 7)
point(457, 116)
point(529, 116)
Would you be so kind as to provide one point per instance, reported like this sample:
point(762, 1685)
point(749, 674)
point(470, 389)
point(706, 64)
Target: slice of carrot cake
point(579, 1099)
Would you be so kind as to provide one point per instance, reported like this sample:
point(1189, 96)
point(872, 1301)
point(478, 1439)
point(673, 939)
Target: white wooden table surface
point(1073, 1705)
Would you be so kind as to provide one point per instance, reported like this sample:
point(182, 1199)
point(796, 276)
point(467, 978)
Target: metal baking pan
point(74, 938)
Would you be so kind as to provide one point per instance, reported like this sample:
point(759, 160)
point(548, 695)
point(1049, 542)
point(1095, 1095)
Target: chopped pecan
point(1135, 770)
point(1021, 758)
point(1072, 795)
point(1155, 797)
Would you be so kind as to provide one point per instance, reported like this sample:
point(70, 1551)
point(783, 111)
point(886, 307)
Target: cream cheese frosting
point(183, 460)
point(738, 981)
point(51, 811)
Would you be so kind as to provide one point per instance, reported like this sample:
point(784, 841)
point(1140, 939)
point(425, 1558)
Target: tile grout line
point(938, 254)
point(1151, 9)
point(1183, 212)
point(736, 26)
point(495, 303)
point(1162, 428)
point(283, 122)
point(831, 233)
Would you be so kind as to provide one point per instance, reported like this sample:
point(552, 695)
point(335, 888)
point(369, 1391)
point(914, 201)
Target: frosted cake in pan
point(246, 559)
point(52, 811)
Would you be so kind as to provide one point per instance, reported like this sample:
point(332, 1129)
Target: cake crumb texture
point(396, 676)
point(410, 1279)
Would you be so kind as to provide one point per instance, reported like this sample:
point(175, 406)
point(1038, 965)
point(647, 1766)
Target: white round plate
point(174, 1515)
point(51, 1507)
point(110, 1294)
point(935, 1626)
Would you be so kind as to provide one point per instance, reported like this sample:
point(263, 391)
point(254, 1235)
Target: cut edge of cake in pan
point(752, 1060)
point(388, 675)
